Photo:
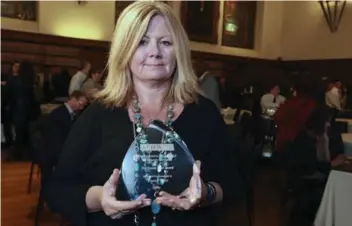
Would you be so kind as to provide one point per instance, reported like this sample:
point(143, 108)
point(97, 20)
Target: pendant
point(155, 210)
point(155, 207)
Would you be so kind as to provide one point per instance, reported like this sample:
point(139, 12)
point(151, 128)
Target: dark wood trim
point(46, 51)
point(31, 37)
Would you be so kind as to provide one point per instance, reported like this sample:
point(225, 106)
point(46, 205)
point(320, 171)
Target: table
point(347, 140)
point(335, 207)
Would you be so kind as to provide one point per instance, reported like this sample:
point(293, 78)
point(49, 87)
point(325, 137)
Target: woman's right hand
point(115, 208)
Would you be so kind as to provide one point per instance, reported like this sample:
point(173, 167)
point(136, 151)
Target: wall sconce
point(333, 11)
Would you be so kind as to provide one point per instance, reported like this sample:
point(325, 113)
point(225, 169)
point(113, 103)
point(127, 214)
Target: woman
point(291, 116)
point(310, 163)
point(150, 72)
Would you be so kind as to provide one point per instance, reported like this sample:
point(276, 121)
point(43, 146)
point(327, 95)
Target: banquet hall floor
point(18, 207)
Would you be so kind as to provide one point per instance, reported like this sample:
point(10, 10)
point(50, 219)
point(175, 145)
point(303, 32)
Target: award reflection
point(151, 117)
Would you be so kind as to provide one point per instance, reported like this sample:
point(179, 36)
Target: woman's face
point(155, 57)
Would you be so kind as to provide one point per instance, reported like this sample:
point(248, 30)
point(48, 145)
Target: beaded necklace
point(160, 162)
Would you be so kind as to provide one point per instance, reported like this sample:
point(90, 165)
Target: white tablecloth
point(47, 108)
point(347, 140)
point(229, 113)
point(336, 205)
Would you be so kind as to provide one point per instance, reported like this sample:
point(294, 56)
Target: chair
point(32, 128)
point(245, 160)
point(33, 165)
point(41, 155)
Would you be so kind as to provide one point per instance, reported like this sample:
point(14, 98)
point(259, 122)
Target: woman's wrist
point(93, 198)
point(210, 194)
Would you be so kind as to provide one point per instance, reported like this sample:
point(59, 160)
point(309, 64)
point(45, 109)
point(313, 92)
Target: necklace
point(150, 118)
point(144, 159)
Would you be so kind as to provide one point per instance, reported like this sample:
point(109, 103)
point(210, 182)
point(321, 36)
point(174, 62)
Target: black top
point(97, 144)
point(57, 128)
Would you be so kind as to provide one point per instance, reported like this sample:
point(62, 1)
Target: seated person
point(273, 99)
point(292, 115)
point(309, 166)
point(318, 146)
point(59, 121)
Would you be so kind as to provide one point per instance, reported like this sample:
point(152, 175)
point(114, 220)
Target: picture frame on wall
point(200, 20)
point(239, 24)
point(22, 10)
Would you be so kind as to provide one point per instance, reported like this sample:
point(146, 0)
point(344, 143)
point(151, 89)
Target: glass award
point(159, 162)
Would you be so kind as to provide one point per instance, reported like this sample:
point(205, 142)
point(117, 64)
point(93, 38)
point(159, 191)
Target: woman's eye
point(142, 42)
point(166, 43)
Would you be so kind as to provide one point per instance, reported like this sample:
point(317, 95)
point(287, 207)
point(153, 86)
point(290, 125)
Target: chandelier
point(333, 11)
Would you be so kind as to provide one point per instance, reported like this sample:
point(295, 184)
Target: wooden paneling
point(48, 51)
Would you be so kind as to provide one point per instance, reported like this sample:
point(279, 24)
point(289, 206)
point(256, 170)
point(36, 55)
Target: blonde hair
point(130, 29)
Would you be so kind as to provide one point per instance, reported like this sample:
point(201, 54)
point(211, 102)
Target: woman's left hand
point(190, 198)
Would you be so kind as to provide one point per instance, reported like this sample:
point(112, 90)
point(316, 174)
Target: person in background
point(312, 155)
point(292, 115)
point(59, 122)
point(78, 79)
point(93, 84)
point(208, 84)
point(5, 114)
point(149, 75)
point(22, 105)
point(333, 97)
point(273, 99)
point(60, 83)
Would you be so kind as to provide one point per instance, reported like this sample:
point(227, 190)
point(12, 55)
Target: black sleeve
point(55, 135)
point(65, 193)
point(336, 145)
point(220, 165)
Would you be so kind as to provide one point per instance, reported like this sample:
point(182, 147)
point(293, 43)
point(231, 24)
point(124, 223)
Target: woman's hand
point(115, 208)
point(190, 198)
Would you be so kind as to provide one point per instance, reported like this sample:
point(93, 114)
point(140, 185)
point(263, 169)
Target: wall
point(94, 20)
point(19, 25)
point(280, 31)
point(307, 35)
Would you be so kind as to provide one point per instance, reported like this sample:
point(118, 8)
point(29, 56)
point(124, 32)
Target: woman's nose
point(153, 49)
